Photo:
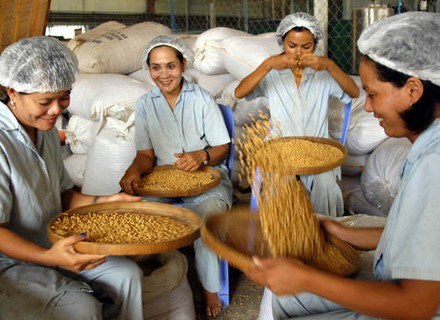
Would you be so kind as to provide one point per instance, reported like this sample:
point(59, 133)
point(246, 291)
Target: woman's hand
point(281, 62)
point(282, 276)
point(190, 161)
point(318, 63)
point(62, 254)
point(130, 179)
point(119, 197)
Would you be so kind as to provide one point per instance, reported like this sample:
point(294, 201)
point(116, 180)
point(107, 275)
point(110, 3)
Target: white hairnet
point(172, 41)
point(407, 42)
point(38, 64)
point(299, 19)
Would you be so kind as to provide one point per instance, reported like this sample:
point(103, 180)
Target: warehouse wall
point(107, 6)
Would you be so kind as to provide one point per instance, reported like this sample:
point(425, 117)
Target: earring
point(13, 104)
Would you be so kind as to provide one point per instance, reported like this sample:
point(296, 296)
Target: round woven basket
point(182, 215)
point(216, 178)
point(236, 236)
point(329, 164)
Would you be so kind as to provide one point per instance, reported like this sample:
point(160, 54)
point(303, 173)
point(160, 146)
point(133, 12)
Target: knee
point(130, 270)
point(77, 305)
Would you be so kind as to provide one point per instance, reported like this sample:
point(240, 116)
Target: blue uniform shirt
point(300, 111)
point(32, 178)
point(410, 244)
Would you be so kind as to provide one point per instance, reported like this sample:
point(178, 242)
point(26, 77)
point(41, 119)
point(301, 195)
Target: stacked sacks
point(118, 51)
point(100, 101)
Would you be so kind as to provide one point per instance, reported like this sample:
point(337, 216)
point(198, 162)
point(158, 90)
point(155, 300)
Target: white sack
point(364, 132)
point(214, 83)
point(93, 93)
point(80, 133)
point(105, 27)
point(243, 54)
point(208, 49)
point(166, 293)
point(75, 166)
point(143, 75)
point(380, 180)
point(354, 199)
point(112, 152)
point(189, 39)
point(118, 51)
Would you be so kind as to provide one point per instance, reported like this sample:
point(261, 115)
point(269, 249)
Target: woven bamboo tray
point(236, 236)
point(182, 215)
point(216, 178)
point(330, 164)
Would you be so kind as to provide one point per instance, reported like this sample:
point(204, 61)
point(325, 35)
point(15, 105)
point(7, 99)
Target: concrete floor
point(245, 296)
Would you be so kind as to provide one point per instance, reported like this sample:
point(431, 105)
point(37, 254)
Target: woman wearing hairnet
point(298, 85)
point(400, 72)
point(37, 280)
point(179, 123)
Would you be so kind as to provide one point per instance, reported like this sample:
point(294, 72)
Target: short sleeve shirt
point(195, 123)
point(32, 178)
point(300, 110)
point(410, 244)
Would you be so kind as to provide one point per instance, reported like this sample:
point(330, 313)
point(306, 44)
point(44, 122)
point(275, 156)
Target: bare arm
point(191, 161)
point(382, 299)
point(142, 164)
point(361, 238)
point(61, 254)
point(323, 63)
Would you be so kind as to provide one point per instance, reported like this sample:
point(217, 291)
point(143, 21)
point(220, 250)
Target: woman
point(179, 123)
point(39, 280)
point(400, 73)
point(298, 85)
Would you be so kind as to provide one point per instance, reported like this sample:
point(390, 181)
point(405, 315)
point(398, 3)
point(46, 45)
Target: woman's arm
point(191, 161)
point(142, 164)
point(361, 238)
point(61, 254)
point(323, 63)
point(405, 299)
point(248, 84)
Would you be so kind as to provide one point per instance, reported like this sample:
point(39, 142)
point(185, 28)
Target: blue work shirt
point(300, 111)
point(32, 178)
point(195, 123)
point(410, 244)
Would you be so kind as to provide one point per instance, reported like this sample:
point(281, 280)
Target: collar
point(430, 136)
point(186, 86)
point(7, 119)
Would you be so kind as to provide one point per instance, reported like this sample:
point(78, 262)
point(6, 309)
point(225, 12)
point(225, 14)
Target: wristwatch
point(205, 163)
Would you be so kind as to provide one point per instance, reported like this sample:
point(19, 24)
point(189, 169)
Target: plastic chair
point(228, 116)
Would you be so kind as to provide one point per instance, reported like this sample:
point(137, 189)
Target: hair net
point(172, 41)
point(407, 42)
point(38, 64)
point(299, 19)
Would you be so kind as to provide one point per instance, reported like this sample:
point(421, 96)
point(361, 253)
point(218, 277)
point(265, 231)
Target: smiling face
point(166, 70)
point(297, 43)
point(386, 101)
point(39, 110)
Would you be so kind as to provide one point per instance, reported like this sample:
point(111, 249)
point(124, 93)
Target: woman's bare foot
point(212, 303)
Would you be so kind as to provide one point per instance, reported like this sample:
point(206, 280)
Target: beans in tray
point(175, 179)
point(117, 227)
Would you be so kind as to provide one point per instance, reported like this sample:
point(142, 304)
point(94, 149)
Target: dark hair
point(179, 54)
point(301, 29)
point(422, 113)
